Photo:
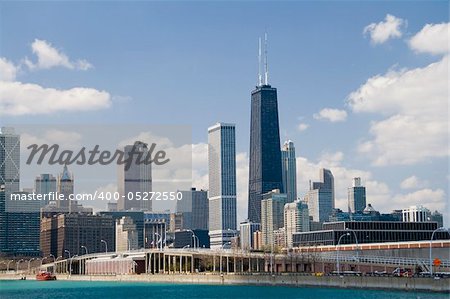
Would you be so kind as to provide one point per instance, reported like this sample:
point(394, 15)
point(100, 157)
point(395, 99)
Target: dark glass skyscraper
point(265, 154)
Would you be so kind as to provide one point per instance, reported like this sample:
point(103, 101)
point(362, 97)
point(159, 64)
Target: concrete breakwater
point(291, 280)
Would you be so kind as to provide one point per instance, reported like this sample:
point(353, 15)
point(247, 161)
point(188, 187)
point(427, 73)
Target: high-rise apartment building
point(272, 215)
point(296, 219)
point(222, 183)
point(289, 170)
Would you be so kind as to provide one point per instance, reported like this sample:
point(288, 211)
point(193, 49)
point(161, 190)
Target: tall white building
point(222, 183)
point(272, 215)
point(247, 230)
point(126, 234)
point(296, 219)
point(416, 214)
point(135, 180)
point(289, 170)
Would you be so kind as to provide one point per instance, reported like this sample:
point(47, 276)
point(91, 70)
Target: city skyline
point(395, 180)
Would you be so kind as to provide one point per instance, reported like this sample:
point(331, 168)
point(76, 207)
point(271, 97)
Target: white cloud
point(8, 70)
point(378, 193)
point(49, 57)
point(302, 127)
point(433, 39)
point(415, 106)
point(18, 98)
point(380, 32)
point(65, 139)
point(431, 199)
point(413, 182)
point(332, 115)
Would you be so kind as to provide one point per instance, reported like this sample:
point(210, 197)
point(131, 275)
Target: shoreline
point(419, 284)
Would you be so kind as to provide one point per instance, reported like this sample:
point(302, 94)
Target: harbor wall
point(292, 280)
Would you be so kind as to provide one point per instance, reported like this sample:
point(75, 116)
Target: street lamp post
point(56, 268)
point(221, 250)
point(337, 249)
point(67, 252)
point(7, 265)
point(194, 236)
point(106, 245)
point(70, 267)
point(85, 248)
point(42, 260)
point(18, 263)
point(357, 244)
point(29, 264)
point(431, 246)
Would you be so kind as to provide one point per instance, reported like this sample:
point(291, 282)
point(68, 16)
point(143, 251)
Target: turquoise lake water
point(76, 289)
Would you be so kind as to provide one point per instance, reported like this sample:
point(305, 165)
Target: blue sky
point(195, 63)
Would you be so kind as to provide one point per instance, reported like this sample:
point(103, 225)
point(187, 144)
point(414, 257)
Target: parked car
point(402, 272)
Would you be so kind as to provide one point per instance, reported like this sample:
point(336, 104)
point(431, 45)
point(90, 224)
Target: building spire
point(259, 64)
point(266, 64)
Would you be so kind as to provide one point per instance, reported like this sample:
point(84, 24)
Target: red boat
point(45, 276)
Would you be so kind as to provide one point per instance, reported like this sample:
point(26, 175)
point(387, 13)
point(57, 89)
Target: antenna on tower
point(266, 65)
point(259, 64)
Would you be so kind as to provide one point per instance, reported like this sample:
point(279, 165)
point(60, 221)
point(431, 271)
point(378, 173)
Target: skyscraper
point(135, 180)
point(65, 187)
point(44, 184)
point(356, 197)
point(222, 183)
point(19, 220)
point(289, 170)
point(326, 183)
point(9, 177)
point(296, 219)
point(9, 161)
point(265, 153)
point(272, 215)
point(195, 209)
